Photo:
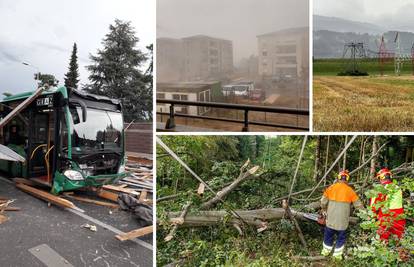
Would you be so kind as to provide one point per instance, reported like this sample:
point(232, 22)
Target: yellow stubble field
point(370, 103)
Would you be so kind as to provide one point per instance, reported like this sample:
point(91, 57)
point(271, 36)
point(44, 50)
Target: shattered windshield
point(102, 130)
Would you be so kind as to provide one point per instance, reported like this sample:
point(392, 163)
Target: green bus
point(70, 139)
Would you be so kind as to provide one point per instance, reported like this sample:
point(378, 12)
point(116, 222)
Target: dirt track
point(363, 103)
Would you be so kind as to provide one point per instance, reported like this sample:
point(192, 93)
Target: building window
point(264, 53)
point(160, 96)
point(181, 108)
point(203, 96)
point(286, 60)
point(285, 49)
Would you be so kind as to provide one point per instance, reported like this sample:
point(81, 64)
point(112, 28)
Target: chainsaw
point(319, 218)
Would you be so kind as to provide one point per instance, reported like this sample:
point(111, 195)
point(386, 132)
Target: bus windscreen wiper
point(99, 152)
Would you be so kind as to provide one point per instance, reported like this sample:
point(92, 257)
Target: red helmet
point(344, 174)
point(384, 174)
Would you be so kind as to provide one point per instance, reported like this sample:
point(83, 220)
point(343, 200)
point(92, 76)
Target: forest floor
point(370, 103)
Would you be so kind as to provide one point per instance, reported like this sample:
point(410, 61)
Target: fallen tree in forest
point(257, 217)
point(243, 176)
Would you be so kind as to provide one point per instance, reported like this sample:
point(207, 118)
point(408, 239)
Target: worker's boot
point(325, 252)
point(337, 255)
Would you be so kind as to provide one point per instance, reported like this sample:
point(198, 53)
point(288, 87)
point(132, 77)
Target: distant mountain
point(343, 25)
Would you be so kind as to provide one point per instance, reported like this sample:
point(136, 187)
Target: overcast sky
point(391, 15)
point(237, 20)
point(42, 32)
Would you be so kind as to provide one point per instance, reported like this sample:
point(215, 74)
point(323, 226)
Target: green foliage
point(373, 251)
point(335, 65)
point(217, 160)
point(72, 76)
point(116, 72)
point(45, 78)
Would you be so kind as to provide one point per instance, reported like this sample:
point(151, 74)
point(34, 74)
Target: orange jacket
point(341, 192)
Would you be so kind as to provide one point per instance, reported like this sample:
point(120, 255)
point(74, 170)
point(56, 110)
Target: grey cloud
point(238, 20)
point(51, 46)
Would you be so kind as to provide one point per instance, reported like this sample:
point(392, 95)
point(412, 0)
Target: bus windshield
point(102, 131)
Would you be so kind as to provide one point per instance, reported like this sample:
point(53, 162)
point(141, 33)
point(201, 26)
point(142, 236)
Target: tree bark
point(373, 160)
point(317, 158)
point(344, 159)
point(326, 157)
point(178, 221)
point(295, 222)
point(251, 217)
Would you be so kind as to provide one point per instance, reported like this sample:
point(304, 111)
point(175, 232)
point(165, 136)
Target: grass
point(373, 103)
point(331, 67)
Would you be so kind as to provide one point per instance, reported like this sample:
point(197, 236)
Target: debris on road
point(135, 233)
point(47, 196)
point(90, 227)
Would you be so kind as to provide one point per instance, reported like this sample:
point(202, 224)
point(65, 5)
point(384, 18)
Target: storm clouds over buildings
point(193, 58)
point(199, 40)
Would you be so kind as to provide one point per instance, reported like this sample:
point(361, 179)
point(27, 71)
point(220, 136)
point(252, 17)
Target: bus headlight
point(73, 175)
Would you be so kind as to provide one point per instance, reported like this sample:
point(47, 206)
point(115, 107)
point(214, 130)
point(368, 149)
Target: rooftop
point(299, 30)
point(185, 86)
point(201, 36)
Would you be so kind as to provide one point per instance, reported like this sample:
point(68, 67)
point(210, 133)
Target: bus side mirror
point(83, 107)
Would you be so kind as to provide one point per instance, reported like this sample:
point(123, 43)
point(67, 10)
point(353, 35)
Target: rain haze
point(244, 52)
point(42, 33)
point(239, 21)
point(390, 15)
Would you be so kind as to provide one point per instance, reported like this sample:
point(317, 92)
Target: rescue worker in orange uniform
point(390, 221)
point(336, 204)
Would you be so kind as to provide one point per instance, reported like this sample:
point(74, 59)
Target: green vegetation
point(72, 76)
point(116, 71)
point(217, 160)
point(331, 67)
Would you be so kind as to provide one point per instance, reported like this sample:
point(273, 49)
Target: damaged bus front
point(70, 139)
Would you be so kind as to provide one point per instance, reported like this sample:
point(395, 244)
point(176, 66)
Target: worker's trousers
point(328, 240)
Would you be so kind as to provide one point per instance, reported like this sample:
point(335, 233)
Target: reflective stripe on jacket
point(395, 200)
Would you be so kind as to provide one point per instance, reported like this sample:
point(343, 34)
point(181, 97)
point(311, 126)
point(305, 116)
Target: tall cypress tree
point(116, 72)
point(71, 77)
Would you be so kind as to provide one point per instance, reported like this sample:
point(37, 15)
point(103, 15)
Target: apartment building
point(170, 60)
point(284, 54)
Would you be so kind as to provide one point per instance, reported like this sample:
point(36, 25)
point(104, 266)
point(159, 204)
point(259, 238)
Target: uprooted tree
point(240, 209)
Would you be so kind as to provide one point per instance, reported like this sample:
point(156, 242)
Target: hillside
point(330, 34)
point(343, 25)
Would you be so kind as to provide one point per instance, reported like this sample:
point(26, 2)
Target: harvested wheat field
point(372, 103)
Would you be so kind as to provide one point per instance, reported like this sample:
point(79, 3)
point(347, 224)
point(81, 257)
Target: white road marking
point(49, 257)
point(110, 228)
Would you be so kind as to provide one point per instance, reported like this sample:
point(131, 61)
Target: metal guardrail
point(170, 124)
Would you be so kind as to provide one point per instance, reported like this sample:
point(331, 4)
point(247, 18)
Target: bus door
point(41, 145)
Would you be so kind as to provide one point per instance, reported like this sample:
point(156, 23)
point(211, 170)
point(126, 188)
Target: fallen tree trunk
point(224, 192)
point(251, 217)
point(178, 221)
point(295, 222)
point(310, 258)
